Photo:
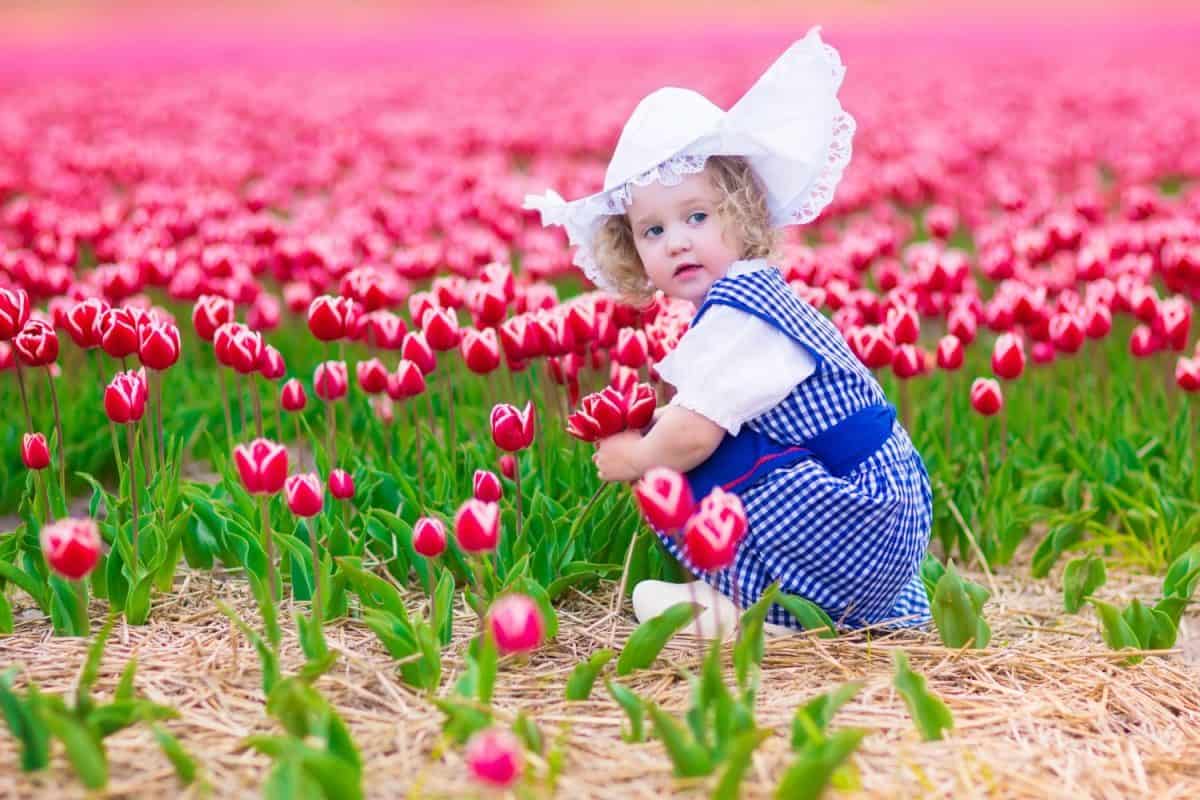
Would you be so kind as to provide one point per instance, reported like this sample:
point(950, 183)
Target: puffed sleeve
point(733, 366)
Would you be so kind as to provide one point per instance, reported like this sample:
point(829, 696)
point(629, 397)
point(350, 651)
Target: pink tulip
point(71, 547)
point(487, 486)
point(305, 494)
point(429, 537)
point(515, 622)
point(262, 465)
point(665, 499)
point(494, 758)
point(477, 526)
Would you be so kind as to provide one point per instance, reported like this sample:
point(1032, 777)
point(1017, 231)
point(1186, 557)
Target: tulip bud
point(1187, 375)
point(512, 430)
point(903, 325)
point(487, 486)
point(1143, 342)
point(1043, 353)
point(429, 537)
point(341, 484)
point(262, 465)
point(82, 322)
point(35, 452)
point(515, 622)
point(950, 353)
point(14, 312)
point(908, 362)
point(480, 350)
point(1008, 357)
point(418, 351)
point(270, 364)
point(607, 409)
point(711, 536)
point(441, 331)
point(986, 397)
point(372, 375)
point(665, 499)
point(494, 758)
point(632, 348)
point(961, 323)
point(477, 526)
point(71, 547)
point(158, 345)
point(244, 349)
point(125, 397)
point(508, 466)
point(328, 317)
point(305, 494)
point(385, 329)
point(329, 380)
point(1066, 333)
point(408, 381)
point(292, 396)
point(873, 346)
point(1097, 321)
point(210, 313)
point(37, 344)
point(640, 404)
point(583, 427)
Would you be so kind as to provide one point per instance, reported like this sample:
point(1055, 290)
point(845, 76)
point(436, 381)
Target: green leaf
point(649, 638)
point(1183, 575)
point(810, 773)
point(688, 756)
point(748, 650)
point(1082, 577)
point(124, 689)
point(931, 572)
point(372, 590)
point(28, 584)
point(289, 781)
point(26, 721)
point(634, 709)
point(85, 753)
point(737, 762)
point(463, 717)
point(91, 667)
point(1116, 631)
point(927, 710)
point(810, 615)
point(442, 613)
point(956, 612)
point(815, 715)
point(527, 731)
point(583, 677)
point(185, 766)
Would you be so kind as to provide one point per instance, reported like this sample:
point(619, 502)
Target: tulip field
point(296, 489)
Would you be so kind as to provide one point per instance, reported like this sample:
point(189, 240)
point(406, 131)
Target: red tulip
point(1043, 353)
point(950, 353)
point(640, 404)
point(1066, 333)
point(986, 397)
point(270, 364)
point(158, 345)
point(961, 323)
point(210, 313)
point(385, 329)
point(873, 346)
point(305, 494)
point(1187, 375)
point(35, 452)
point(515, 622)
point(330, 318)
point(1173, 323)
point(125, 397)
point(408, 381)
point(264, 313)
point(292, 396)
point(1008, 357)
point(14, 312)
point(494, 758)
point(512, 430)
point(341, 484)
point(903, 325)
point(82, 322)
point(941, 221)
point(1143, 301)
point(440, 328)
point(71, 547)
point(508, 466)
point(909, 362)
point(1097, 321)
point(262, 465)
point(632, 348)
point(607, 409)
point(665, 499)
point(487, 486)
point(477, 526)
point(711, 536)
point(429, 537)
point(480, 350)
point(372, 375)
point(417, 350)
point(583, 427)
point(330, 381)
point(244, 349)
point(37, 344)
point(1143, 342)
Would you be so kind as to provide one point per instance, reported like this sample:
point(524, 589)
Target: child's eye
point(698, 217)
point(652, 231)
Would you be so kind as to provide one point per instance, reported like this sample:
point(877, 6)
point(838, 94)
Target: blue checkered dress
point(853, 545)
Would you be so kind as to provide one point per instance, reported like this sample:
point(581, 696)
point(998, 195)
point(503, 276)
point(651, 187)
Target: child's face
point(682, 241)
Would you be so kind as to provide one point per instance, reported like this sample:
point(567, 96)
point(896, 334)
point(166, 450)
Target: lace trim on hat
point(826, 183)
point(669, 173)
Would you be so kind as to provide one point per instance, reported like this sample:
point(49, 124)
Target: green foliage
point(649, 638)
point(957, 609)
point(930, 714)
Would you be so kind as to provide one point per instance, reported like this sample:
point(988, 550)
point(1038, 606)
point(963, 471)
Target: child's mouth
point(684, 270)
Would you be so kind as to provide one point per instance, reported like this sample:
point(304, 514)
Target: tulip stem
point(258, 415)
point(158, 422)
point(62, 443)
point(225, 405)
point(133, 493)
point(949, 409)
point(44, 482)
point(24, 398)
point(451, 432)
point(416, 432)
point(269, 546)
point(619, 601)
point(331, 429)
point(517, 481)
point(299, 440)
point(318, 606)
point(279, 418)
point(1004, 433)
point(905, 407)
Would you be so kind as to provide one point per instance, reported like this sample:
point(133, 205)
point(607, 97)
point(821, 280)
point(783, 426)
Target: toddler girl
point(769, 401)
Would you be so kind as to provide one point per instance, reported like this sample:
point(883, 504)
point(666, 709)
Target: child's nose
point(677, 241)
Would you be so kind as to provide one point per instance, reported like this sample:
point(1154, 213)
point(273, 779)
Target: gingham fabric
point(852, 545)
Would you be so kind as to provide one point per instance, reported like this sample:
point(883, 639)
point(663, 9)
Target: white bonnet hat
point(789, 126)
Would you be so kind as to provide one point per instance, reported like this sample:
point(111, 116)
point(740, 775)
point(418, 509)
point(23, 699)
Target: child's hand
point(616, 457)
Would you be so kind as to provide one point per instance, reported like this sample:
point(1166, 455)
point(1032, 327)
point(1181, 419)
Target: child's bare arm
point(680, 439)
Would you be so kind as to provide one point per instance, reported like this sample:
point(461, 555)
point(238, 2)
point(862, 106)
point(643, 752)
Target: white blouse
point(732, 366)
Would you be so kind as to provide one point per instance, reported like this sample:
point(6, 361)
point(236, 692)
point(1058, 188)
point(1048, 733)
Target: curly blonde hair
point(742, 209)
